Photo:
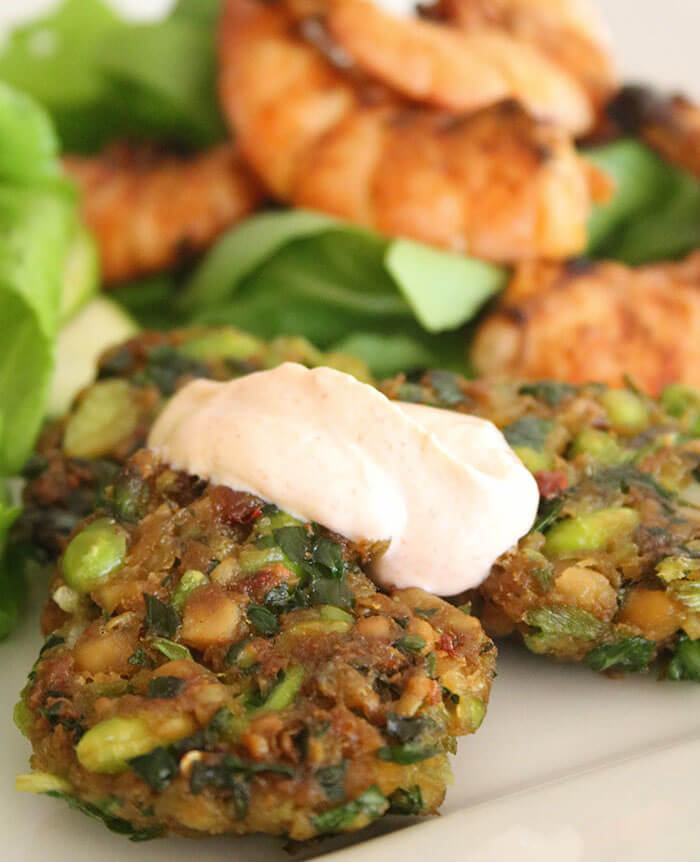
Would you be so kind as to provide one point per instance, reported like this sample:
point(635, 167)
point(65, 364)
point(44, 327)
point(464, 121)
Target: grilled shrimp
point(148, 210)
point(597, 321)
point(669, 124)
point(496, 183)
point(571, 33)
point(460, 70)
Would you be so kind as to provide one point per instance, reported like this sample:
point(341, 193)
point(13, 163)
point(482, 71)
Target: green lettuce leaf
point(444, 290)
point(654, 212)
point(342, 287)
point(55, 59)
point(35, 230)
point(102, 78)
point(162, 81)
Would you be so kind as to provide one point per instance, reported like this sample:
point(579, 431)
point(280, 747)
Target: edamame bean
point(108, 745)
point(188, 583)
point(625, 409)
point(590, 532)
point(93, 555)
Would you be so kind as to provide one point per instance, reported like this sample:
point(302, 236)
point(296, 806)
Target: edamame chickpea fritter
point(610, 572)
point(214, 665)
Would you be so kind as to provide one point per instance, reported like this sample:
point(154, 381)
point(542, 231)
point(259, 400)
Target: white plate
point(569, 766)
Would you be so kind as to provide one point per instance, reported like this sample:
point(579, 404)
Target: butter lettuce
point(47, 267)
point(101, 77)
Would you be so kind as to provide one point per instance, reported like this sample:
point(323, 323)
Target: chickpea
point(587, 589)
point(653, 612)
point(374, 628)
point(104, 648)
point(210, 616)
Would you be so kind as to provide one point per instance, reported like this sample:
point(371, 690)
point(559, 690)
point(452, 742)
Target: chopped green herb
point(331, 779)
point(282, 599)
point(165, 686)
point(329, 554)
point(294, 541)
point(231, 773)
point(156, 768)
point(410, 644)
point(632, 654)
point(426, 613)
point(50, 642)
point(262, 619)
point(529, 431)
point(161, 619)
point(430, 665)
point(370, 804)
point(446, 386)
point(566, 621)
point(685, 664)
point(408, 728)
point(547, 514)
point(549, 391)
point(330, 591)
point(171, 650)
point(114, 824)
point(140, 658)
point(235, 650)
point(409, 752)
point(406, 801)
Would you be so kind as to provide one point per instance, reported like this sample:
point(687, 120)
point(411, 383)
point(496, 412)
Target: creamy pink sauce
point(444, 487)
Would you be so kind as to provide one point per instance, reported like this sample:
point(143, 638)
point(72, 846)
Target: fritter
point(214, 665)
point(610, 572)
point(613, 562)
point(586, 321)
point(78, 456)
point(150, 209)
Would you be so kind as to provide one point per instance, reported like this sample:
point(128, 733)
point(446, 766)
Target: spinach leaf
point(156, 768)
point(342, 287)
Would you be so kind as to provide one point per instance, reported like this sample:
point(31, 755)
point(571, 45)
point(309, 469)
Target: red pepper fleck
point(551, 482)
point(448, 644)
point(235, 507)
